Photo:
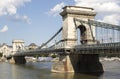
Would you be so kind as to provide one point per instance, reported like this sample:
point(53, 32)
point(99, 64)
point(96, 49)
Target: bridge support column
point(63, 65)
point(18, 60)
point(85, 63)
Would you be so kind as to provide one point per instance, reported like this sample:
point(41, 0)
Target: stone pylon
point(69, 33)
point(17, 45)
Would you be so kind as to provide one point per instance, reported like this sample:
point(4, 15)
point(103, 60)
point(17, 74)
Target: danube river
point(42, 70)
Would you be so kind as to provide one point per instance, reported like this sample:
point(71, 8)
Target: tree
point(0, 54)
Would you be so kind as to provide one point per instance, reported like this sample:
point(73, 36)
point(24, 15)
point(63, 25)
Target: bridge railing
point(99, 46)
point(59, 44)
point(103, 49)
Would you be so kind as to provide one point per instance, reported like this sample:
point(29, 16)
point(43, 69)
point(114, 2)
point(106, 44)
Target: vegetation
point(54, 56)
point(0, 54)
point(41, 55)
point(46, 55)
point(31, 48)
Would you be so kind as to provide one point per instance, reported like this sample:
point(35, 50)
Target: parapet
point(78, 10)
point(17, 41)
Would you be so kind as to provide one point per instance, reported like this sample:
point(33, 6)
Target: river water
point(42, 70)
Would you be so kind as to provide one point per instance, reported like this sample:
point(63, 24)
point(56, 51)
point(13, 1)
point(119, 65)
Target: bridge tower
point(77, 62)
point(69, 27)
point(17, 45)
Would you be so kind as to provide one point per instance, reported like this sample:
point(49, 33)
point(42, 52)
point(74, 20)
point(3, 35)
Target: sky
point(35, 21)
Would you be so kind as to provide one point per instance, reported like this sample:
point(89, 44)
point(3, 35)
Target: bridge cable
point(76, 27)
point(75, 23)
point(51, 38)
point(89, 23)
point(119, 36)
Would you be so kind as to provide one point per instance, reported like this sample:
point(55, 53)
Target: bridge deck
point(106, 48)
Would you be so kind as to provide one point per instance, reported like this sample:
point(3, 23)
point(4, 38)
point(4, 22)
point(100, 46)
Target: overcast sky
point(35, 21)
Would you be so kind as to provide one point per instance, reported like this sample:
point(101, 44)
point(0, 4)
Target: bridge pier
point(78, 63)
point(86, 63)
point(18, 60)
point(63, 65)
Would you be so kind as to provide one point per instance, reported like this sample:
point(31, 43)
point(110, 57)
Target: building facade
point(32, 46)
point(5, 49)
point(17, 45)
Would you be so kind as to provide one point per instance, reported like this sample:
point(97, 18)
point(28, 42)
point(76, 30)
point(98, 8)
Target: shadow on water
point(97, 74)
point(86, 76)
point(74, 76)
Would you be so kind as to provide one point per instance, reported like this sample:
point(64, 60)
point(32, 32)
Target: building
point(5, 50)
point(32, 46)
point(17, 45)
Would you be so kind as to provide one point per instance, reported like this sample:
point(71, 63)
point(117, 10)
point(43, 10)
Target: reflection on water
point(42, 70)
point(72, 76)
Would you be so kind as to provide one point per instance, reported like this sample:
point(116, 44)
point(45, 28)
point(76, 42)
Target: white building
point(5, 49)
point(17, 45)
point(32, 46)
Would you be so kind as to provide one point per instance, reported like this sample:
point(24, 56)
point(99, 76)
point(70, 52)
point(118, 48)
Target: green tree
point(0, 54)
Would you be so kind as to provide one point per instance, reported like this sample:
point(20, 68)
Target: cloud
point(56, 9)
point(19, 18)
point(9, 7)
point(110, 19)
point(4, 29)
point(108, 9)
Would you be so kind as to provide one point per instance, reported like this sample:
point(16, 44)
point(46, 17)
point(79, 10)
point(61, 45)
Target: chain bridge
point(78, 42)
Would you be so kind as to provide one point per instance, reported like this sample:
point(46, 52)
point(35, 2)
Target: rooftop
point(32, 44)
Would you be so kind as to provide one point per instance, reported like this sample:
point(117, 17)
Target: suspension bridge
point(78, 42)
